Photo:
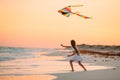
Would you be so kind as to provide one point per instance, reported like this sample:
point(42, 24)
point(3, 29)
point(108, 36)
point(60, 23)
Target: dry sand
point(109, 74)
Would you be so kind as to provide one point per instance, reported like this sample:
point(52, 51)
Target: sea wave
point(12, 53)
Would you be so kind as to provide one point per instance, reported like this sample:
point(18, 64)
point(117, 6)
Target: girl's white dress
point(76, 57)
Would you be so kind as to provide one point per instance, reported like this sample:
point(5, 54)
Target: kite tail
point(85, 17)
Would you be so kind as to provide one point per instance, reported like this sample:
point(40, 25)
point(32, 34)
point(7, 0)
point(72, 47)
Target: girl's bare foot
point(85, 70)
point(72, 70)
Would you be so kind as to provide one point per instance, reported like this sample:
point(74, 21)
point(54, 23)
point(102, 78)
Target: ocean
point(28, 61)
point(12, 53)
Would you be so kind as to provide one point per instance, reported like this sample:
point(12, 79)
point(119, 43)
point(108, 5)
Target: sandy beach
point(111, 73)
point(55, 66)
point(99, 59)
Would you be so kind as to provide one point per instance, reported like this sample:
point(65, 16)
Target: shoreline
point(110, 68)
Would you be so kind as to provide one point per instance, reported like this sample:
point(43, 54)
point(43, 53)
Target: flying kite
point(66, 11)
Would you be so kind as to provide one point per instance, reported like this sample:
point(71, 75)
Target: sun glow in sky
point(36, 23)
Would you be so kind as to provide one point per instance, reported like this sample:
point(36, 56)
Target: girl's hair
point(73, 43)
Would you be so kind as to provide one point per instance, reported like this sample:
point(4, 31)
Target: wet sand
point(31, 77)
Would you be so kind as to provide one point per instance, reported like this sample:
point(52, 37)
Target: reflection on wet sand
point(31, 77)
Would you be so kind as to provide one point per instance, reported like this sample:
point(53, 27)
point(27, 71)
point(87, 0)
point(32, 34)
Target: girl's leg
point(71, 64)
point(79, 62)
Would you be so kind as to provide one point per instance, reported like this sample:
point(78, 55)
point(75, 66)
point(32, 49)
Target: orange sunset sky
point(36, 23)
